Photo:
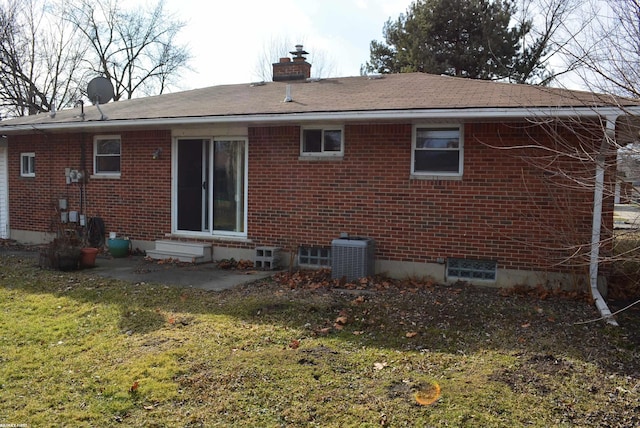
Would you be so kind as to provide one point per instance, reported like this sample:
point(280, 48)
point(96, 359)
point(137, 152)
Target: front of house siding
point(503, 208)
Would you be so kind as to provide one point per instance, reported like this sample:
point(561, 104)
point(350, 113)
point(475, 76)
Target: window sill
point(436, 177)
point(230, 238)
point(208, 237)
point(321, 158)
point(105, 177)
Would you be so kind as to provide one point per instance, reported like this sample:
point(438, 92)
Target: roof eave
point(345, 116)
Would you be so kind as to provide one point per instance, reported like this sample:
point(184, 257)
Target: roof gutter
point(342, 116)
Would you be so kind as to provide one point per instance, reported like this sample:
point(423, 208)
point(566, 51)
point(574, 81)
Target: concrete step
point(189, 252)
point(173, 255)
point(199, 248)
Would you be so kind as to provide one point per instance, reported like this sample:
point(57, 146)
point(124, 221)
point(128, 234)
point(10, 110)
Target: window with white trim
point(106, 155)
point(27, 164)
point(322, 141)
point(437, 151)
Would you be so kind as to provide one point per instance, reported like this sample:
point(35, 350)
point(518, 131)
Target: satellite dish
point(100, 90)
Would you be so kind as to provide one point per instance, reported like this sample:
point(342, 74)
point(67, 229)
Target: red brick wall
point(291, 70)
point(504, 208)
point(489, 214)
point(137, 205)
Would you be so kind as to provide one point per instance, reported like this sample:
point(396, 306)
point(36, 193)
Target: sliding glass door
point(211, 186)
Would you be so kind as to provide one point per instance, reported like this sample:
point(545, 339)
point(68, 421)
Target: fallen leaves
point(380, 366)
point(358, 300)
point(294, 344)
point(323, 331)
point(543, 293)
point(179, 321)
point(232, 263)
point(321, 279)
point(340, 322)
point(307, 279)
point(167, 261)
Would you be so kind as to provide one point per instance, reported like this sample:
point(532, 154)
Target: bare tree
point(608, 52)
point(135, 49)
point(50, 50)
point(275, 48)
point(39, 59)
point(575, 160)
point(578, 159)
point(553, 25)
point(606, 56)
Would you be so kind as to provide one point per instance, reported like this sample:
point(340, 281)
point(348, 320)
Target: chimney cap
point(299, 52)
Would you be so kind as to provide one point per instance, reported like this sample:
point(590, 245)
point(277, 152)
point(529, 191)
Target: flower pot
point(119, 247)
point(88, 256)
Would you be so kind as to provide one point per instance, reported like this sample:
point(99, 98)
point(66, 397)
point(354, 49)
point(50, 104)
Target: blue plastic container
point(119, 247)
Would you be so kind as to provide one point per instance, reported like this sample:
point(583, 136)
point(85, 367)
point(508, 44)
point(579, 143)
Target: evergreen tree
point(464, 38)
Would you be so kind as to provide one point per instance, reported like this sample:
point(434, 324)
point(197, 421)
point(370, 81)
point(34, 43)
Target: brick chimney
point(296, 69)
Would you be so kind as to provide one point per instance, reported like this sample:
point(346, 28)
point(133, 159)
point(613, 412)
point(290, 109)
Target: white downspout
point(601, 304)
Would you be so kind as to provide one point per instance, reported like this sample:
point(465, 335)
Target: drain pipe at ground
point(601, 304)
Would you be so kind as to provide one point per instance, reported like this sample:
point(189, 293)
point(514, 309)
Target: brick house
point(445, 175)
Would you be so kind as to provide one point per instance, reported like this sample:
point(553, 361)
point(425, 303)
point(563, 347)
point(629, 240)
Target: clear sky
point(226, 37)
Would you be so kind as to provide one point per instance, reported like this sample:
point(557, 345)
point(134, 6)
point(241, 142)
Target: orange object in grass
point(428, 394)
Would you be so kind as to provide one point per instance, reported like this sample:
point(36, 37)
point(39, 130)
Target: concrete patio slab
point(206, 276)
point(138, 269)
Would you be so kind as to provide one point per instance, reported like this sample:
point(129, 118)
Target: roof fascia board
point(387, 115)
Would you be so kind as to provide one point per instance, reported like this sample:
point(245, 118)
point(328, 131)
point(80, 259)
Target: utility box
point(352, 258)
point(267, 258)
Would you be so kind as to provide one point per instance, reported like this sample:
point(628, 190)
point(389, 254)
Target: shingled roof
point(392, 93)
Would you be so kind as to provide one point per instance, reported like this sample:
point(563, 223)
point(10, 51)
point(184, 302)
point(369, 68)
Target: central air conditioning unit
point(352, 258)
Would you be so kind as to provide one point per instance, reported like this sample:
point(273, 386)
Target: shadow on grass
point(447, 319)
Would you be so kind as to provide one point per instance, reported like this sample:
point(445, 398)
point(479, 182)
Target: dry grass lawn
point(83, 351)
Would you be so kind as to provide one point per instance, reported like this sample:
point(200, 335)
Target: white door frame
point(208, 161)
point(4, 189)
